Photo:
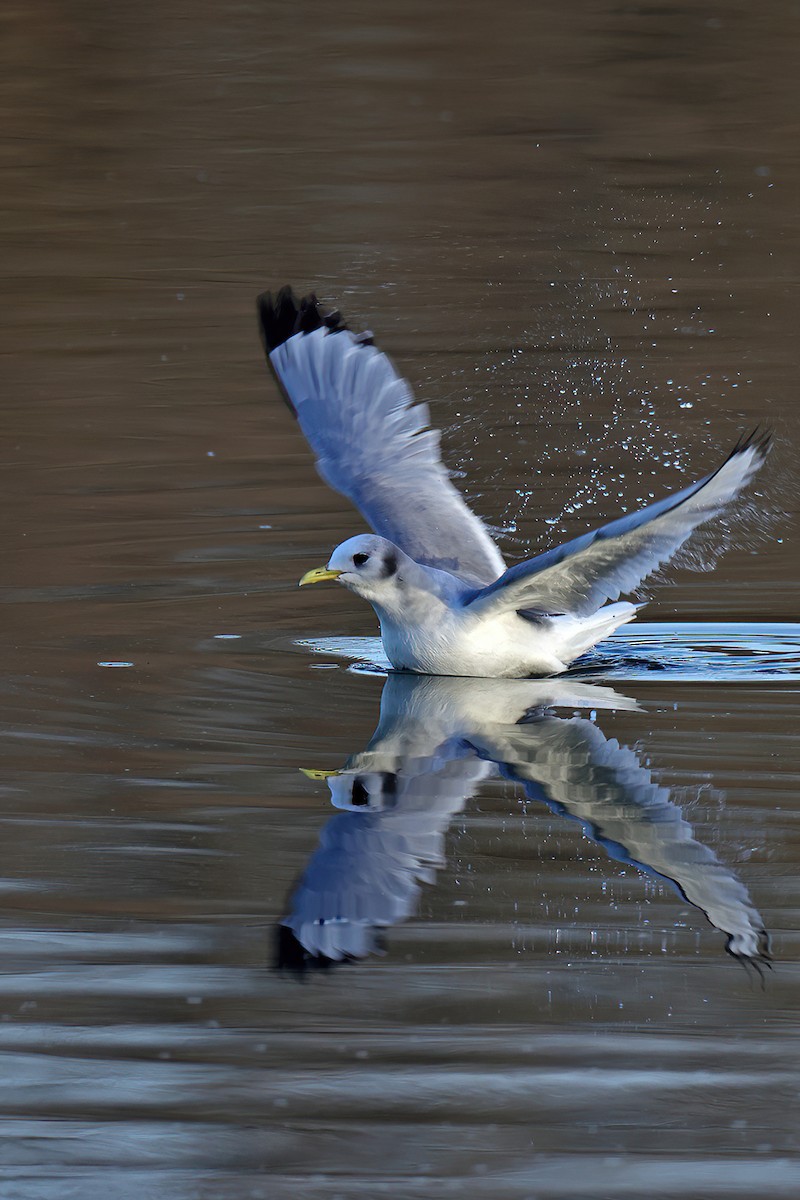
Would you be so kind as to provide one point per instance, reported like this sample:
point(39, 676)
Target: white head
point(368, 565)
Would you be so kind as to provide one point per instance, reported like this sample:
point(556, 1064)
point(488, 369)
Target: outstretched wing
point(577, 771)
point(372, 858)
point(580, 576)
point(371, 441)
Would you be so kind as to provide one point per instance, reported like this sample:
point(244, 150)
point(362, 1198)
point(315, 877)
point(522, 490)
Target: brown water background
point(575, 228)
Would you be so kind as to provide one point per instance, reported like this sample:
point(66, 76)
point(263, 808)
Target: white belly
point(506, 645)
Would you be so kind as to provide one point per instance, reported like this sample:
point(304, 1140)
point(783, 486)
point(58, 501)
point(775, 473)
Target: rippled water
point(691, 652)
point(275, 924)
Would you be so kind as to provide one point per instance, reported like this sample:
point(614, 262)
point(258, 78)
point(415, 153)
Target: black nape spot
point(390, 566)
point(360, 795)
point(360, 559)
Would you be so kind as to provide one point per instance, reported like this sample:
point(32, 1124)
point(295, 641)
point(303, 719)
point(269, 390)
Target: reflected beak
point(319, 575)
point(310, 773)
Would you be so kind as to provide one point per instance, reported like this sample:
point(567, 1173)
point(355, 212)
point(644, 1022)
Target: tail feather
point(587, 632)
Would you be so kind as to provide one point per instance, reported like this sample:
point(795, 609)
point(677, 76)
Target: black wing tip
point(280, 317)
point(759, 440)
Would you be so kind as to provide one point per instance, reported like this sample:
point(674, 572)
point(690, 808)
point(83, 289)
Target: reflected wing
point(582, 575)
point(575, 769)
point(371, 441)
point(366, 872)
point(400, 795)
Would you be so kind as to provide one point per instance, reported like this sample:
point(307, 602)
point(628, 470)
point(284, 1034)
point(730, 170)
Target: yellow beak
point(318, 575)
point(310, 773)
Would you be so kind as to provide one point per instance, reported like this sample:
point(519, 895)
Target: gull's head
point(366, 564)
point(365, 791)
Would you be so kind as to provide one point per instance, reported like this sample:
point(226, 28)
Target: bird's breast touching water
point(457, 644)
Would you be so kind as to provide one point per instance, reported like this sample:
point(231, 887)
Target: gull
point(446, 603)
point(436, 742)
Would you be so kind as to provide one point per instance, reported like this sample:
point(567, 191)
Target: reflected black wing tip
point(281, 316)
point(760, 961)
point(291, 956)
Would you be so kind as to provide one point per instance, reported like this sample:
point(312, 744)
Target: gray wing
point(582, 575)
point(574, 768)
point(371, 441)
point(373, 857)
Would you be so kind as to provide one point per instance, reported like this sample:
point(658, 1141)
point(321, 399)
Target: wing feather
point(371, 441)
point(576, 770)
point(583, 574)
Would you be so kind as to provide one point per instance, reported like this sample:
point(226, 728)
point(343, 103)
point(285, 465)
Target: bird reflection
point(436, 740)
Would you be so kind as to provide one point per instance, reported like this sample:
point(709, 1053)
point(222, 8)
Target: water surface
point(689, 651)
point(574, 227)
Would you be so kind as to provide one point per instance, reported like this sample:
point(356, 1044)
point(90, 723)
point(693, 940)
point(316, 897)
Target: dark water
point(575, 228)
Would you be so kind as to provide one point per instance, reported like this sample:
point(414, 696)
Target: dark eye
point(360, 559)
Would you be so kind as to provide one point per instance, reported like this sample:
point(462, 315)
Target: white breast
point(457, 644)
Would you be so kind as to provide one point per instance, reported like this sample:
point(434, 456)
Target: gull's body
point(429, 626)
point(446, 603)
